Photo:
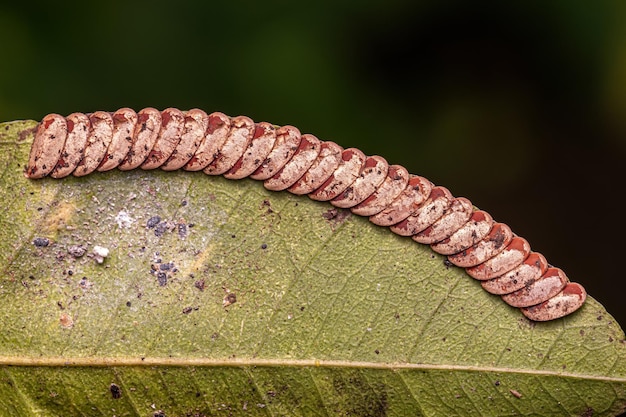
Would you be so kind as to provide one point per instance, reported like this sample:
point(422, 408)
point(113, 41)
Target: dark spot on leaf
point(182, 230)
point(497, 383)
point(264, 246)
point(447, 263)
point(199, 284)
point(84, 283)
point(162, 278)
point(330, 214)
point(160, 229)
point(187, 310)
point(22, 135)
point(337, 216)
point(153, 221)
point(231, 298)
point(128, 304)
point(158, 414)
point(41, 242)
point(587, 413)
point(116, 391)
point(358, 396)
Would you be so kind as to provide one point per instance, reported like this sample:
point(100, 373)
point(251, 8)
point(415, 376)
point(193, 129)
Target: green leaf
point(241, 301)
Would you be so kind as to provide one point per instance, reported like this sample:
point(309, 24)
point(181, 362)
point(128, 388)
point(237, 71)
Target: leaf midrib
point(296, 363)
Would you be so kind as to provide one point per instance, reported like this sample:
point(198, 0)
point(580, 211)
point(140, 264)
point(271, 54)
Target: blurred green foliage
point(520, 105)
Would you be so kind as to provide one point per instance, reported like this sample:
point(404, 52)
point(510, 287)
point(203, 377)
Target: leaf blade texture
point(220, 296)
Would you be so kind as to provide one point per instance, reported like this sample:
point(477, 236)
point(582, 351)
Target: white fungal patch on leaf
point(99, 253)
point(123, 220)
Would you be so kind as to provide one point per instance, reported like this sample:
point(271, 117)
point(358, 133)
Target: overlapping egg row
point(285, 159)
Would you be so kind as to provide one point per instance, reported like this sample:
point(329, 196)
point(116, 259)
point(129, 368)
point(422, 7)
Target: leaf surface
point(218, 297)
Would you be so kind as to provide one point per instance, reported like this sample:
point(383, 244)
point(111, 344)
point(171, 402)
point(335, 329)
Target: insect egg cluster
point(285, 159)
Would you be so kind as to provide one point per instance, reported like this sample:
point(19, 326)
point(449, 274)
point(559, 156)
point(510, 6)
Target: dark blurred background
point(518, 105)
